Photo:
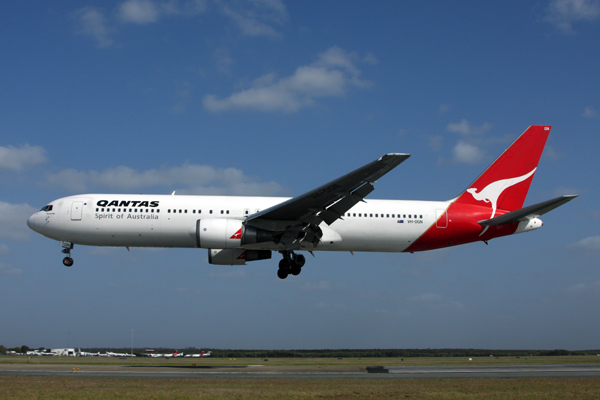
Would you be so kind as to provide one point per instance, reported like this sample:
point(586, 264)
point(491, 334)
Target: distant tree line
point(334, 353)
point(357, 353)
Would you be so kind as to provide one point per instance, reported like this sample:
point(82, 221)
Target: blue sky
point(275, 98)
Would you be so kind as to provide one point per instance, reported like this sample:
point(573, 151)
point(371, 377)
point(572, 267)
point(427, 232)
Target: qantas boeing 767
point(332, 217)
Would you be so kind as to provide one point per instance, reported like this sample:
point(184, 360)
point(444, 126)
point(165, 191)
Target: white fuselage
point(171, 221)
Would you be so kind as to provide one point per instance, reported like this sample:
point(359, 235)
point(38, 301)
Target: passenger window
point(210, 212)
point(185, 211)
point(227, 212)
point(371, 215)
point(354, 215)
point(193, 211)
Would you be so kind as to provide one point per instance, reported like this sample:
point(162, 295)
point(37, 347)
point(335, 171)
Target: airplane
point(332, 217)
point(111, 354)
point(176, 354)
point(203, 354)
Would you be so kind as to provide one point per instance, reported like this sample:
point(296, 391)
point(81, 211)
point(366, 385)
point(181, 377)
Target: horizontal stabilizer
point(533, 211)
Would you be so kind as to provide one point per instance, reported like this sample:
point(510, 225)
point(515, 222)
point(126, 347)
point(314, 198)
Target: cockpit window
point(47, 208)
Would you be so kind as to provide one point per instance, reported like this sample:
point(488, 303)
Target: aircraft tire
point(300, 260)
point(68, 261)
point(296, 269)
point(282, 274)
point(285, 264)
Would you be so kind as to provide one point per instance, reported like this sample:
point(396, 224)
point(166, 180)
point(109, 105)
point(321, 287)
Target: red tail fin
point(505, 183)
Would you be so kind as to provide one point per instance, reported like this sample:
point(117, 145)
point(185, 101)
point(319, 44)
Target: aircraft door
point(441, 218)
point(76, 210)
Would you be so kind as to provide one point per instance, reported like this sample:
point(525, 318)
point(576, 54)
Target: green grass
point(210, 388)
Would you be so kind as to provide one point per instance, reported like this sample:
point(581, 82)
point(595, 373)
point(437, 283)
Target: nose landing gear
point(291, 263)
point(68, 246)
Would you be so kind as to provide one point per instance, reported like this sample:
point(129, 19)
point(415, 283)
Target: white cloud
point(468, 149)
point(7, 269)
point(138, 11)
point(18, 158)
point(93, 23)
point(590, 112)
point(563, 13)
point(13, 220)
point(186, 179)
point(330, 76)
point(254, 18)
point(465, 128)
point(589, 243)
point(467, 153)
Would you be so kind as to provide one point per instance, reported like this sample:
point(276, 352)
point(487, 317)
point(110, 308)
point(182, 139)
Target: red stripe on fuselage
point(462, 228)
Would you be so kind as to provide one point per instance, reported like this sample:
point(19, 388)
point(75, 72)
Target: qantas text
point(125, 203)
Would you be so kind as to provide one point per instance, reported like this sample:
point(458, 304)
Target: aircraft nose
point(32, 222)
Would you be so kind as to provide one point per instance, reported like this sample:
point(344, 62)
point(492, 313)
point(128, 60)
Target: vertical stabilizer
point(505, 183)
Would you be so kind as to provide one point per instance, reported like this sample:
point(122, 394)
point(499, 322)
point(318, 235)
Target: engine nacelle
point(237, 256)
point(218, 233)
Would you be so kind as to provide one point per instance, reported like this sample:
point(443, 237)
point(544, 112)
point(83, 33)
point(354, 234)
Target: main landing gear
point(68, 246)
point(291, 263)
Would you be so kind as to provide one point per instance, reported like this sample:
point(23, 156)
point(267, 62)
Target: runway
point(312, 372)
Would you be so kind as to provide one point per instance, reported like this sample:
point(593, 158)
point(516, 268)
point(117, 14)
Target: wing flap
point(532, 211)
point(339, 209)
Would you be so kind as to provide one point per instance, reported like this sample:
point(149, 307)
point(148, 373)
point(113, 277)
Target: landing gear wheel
point(299, 260)
point(282, 273)
point(67, 261)
point(285, 264)
point(295, 270)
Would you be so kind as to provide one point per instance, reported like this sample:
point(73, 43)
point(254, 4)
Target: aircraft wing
point(325, 203)
point(532, 211)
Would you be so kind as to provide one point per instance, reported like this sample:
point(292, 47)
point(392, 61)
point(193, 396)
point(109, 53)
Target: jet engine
point(225, 233)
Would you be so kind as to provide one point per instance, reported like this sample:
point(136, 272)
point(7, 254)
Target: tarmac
point(309, 372)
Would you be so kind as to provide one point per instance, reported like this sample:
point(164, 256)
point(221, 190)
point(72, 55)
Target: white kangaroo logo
point(491, 192)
